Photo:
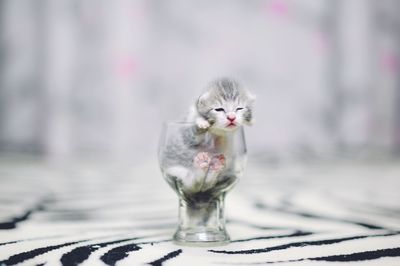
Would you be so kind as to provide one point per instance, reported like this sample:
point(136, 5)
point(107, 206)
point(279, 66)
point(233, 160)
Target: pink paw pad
point(202, 160)
point(217, 163)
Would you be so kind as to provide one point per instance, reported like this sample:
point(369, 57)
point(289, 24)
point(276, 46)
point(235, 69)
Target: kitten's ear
point(252, 97)
point(249, 122)
point(202, 99)
point(248, 117)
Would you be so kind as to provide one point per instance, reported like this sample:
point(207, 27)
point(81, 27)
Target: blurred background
point(88, 78)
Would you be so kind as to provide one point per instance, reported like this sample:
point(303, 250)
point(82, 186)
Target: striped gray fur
point(224, 93)
point(181, 148)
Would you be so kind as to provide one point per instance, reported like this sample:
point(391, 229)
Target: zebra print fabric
point(103, 214)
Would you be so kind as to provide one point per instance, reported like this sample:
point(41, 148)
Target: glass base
point(204, 238)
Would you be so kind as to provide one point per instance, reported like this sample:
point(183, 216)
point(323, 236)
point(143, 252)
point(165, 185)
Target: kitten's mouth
point(230, 125)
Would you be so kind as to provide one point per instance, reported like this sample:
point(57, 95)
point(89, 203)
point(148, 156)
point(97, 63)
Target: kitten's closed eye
point(239, 108)
point(219, 109)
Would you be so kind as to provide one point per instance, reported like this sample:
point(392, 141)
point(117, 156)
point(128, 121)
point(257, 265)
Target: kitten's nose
point(231, 117)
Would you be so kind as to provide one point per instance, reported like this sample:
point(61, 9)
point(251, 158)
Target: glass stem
point(202, 221)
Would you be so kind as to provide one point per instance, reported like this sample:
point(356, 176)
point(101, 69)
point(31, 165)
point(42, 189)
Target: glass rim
point(177, 122)
point(168, 123)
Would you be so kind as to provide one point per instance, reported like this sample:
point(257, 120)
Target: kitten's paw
point(202, 160)
point(217, 163)
point(202, 123)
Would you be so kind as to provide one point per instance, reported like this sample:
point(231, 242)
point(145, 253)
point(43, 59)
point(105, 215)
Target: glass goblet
point(201, 167)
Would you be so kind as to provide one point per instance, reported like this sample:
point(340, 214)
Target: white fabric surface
point(295, 214)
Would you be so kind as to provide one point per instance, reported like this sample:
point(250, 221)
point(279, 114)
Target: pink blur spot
point(277, 7)
point(137, 12)
point(126, 67)
point(390, 62)
point(321, 42)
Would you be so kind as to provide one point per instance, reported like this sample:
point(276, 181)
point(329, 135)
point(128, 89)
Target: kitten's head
point(226, 105)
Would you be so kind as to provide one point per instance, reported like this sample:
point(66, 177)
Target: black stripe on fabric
point(30, 239)
point(260, 205)
point(116, 254)
point(169, 256)
point(261, 227)
point(295, 234)
point(153, 242)
point(77, 255)
point(352, 257)
point(21, 257)
point(80, 254)
point(8, 243)
point(14, 221)
point(360, 256)
point(299, 244)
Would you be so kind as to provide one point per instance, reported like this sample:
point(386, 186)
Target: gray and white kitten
point(219, 111)
point(224, 106)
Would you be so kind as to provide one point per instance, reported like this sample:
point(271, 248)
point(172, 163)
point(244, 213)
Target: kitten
point(219, 111)
point(224, 106)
